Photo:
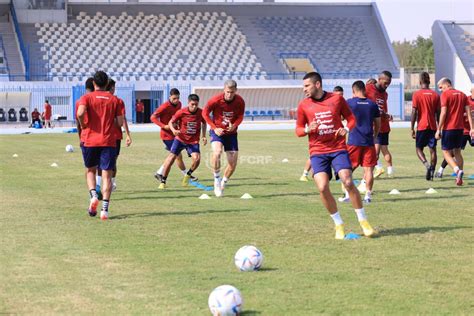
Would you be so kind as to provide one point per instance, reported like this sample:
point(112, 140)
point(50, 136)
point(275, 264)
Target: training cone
point(431, 191)
point(15, 155)
point(394, 192)
point(246, 196)
point(285, 160)
point(352, 236)
point(471, 177)
point(54, 164)
point(204, 197)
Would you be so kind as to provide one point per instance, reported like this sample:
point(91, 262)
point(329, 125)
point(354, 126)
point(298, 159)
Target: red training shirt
point(47, 111)
point(101, 109)
point(162, 117)
point(328, 111)
point(35, 115)
point(455, 102)
point(121, 108)
point(189, 125)
point(426, 102)
point(470, 100)
point(224, 112)
point(380, 98)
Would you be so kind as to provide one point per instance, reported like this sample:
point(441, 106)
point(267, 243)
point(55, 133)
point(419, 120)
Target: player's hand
point(438, 134)
point(390, 117)
point(167, 128)
point(204, 141)
point(341, 132)
point(471, 133)
point(176, 132)
point(231, 127)
point(413, 134)
point(128, 141)
point(219, 131)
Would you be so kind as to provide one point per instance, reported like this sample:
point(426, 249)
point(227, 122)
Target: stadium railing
point(23, 51)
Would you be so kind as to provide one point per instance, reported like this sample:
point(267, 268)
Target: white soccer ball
point(248, 258)
point(225, 300)
point(69, 148)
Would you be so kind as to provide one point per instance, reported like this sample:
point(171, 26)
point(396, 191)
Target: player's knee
point(348, 183)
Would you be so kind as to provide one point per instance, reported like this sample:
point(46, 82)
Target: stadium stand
point(454, 52)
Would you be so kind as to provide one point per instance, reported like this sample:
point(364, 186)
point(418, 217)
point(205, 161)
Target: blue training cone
point(352, 236)
point(471, 177)
point(454, 174)
point(199, 185)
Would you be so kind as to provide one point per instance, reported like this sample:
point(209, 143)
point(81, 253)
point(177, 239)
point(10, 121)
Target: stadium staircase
point(12, 53)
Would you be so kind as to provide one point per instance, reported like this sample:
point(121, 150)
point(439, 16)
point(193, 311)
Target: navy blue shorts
point(338, 161)
point(451, 139)
point(102, 157)
point(168, 144)
point(467, 139)
point(117, 147)
point(178, 146)
point(382, 139)
point(229, 141)
point(425, 138)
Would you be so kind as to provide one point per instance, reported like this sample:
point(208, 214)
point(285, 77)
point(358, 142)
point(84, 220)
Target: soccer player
point(47, 114)
point(191, 125)
point(361, 146)
point(378, 93)
point(227, 110)
point(89, 85)
point(454, 104)
point(426, 106)
point(162, 117)
point(99, 115)
point(319, 118)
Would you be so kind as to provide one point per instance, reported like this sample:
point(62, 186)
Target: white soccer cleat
point(344, 199)
point(223, 184)
point(362, 187)
point(104, 215)
point(114, 187)
point(217, 188)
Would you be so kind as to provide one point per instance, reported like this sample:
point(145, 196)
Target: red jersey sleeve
point(155, 117)
point(176, 117)
point(415, 100)
point(240, 115)
point(443, 100)
point(207, 111)
point(301, 122)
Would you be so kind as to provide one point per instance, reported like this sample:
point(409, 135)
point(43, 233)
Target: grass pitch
point(163, 252)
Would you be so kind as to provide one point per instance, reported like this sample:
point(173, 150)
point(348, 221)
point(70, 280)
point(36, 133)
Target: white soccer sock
point(368, 195)
point(305, 173)
point(160, 171)
point(184, 172)
point(379, 165)
point(441, 169)
point(336, 217)
point(98, 180)
point(456, 169)
point(113, 180)
point(361, 214)
point(389, 169)
point(217, 175)
point(225, 179)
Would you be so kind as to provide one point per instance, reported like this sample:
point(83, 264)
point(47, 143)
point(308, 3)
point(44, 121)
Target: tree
point(417, 54)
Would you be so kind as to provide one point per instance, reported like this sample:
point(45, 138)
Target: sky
point(406, 19)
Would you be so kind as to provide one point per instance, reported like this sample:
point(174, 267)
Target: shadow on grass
point(424, 197)
point(256, 183)
point(264, 269)
point(250, 313)
point(177, 213)
point(297, 194)
point(419, 230)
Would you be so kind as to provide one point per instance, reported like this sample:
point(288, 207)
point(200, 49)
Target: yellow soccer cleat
point(378, 172)
point(367, 229)
point(162, 186)
point(186, 179)
point(340, 232)
point(304, 178)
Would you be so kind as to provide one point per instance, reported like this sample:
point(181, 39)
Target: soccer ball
point(248, 258)
point(225, 300)
point(69, 148)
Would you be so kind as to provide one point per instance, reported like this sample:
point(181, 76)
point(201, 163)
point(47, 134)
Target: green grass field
point(163, 252)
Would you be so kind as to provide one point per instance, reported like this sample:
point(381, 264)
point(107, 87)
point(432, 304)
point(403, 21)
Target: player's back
point(455, 102)
point(365, 111)
point(427, 103)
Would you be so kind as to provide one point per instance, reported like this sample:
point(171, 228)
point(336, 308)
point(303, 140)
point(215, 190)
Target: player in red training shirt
point(426, 107)
point(47, 114)
point(161, 117)
point(99, 115)
point(454, 105)
point(191, 125)
point(319, 117)
point(378, 93)
point(227, 110)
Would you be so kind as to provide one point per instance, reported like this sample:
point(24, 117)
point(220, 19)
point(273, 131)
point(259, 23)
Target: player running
point(361, 146)
point(191, 126)
point(99, 115)
point(454, 105)
point(378, 93)
point(319, 117)
point(227, 111)
point(162, 117)
point(426, 107)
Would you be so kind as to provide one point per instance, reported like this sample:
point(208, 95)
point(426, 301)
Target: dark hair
point(101, 79)
point(386, 73)
point(46, 101)
point(425, 77)
point(358, 85)
point(90, 84)
point(371, 81)
point(110, 84)
point(314, 76)
point(338, 89)
point(174, 91)
point(193, 97)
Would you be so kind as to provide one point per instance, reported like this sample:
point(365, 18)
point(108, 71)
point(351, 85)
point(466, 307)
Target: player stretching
point(361, 138)
point(227, 110)
point(103, 117)
point(378, 93)
point(319, 117)
point(425, 108)
point(191, 126)
point(454, 104)
point(162, 117)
